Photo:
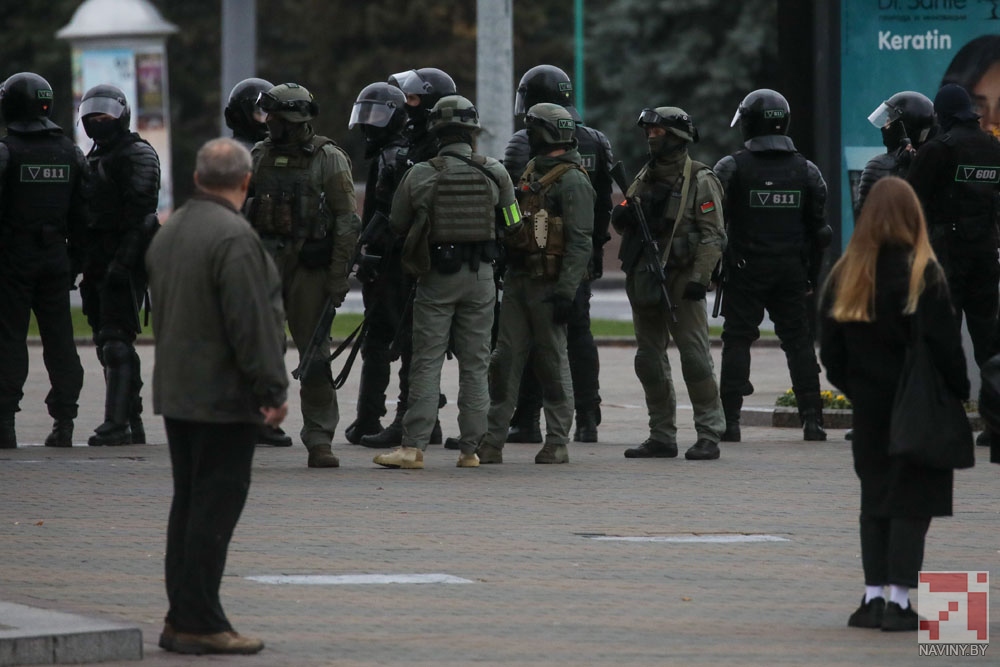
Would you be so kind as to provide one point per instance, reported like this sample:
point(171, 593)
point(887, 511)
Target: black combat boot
point(652, 449)
point(8, 438)
point(118, 400)
point(139, 431)
point(586, 425)
point(812, 424)
point(524, 427)
point(62, 434)
point(361, 427)
point(272, 436)
point(390, 436)
point(732, 405)
point(702, 450)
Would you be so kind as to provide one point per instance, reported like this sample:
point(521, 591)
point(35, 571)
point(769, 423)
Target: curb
point(789, 418)
point(32, 636)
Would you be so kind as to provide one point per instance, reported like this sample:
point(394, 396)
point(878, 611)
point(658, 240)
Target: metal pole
point(239, 49)
point(494, 75)
point(579, 81)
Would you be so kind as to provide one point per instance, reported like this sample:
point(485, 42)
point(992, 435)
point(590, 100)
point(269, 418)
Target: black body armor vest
point(40, 177)
point(764, 203)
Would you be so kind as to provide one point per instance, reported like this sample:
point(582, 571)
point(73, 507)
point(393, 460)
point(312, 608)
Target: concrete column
point(494, 75)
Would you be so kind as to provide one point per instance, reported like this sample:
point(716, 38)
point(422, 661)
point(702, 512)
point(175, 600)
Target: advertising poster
point(888, 46)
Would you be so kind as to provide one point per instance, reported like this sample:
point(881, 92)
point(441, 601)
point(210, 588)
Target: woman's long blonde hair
point(891, 215)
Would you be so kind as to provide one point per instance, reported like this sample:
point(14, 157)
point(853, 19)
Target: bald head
point(222, 164)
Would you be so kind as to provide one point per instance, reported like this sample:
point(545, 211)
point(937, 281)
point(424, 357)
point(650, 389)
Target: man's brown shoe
point(220, 642)
point(321, 456)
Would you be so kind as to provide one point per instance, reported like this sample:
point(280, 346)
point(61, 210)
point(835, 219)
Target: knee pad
point(115, 353)
point(648, 369)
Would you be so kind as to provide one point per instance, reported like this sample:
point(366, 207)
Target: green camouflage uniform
point(694, 252)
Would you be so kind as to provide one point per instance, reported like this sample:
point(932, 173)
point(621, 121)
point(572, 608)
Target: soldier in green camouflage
point(547, 257)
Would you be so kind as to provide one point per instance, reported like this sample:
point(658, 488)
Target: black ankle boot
point(812, 426)
point(361, 427)
point(61, 435)
point(390, 436)
point(732, 432)
point(138, 430)
point(8, 438)
point(586, 426)
point(525, 427)
point(110, 434)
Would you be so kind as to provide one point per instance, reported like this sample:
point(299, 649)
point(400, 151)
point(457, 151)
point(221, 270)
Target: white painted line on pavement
point(341, 579)
point(709, 538)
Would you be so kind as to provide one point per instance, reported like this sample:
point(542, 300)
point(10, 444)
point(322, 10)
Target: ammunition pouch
point(316, 253)
point(448, 258)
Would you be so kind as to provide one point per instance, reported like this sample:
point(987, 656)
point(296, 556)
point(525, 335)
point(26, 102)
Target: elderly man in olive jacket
point(219, 373)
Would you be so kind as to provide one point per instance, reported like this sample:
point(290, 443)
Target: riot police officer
point(304, 211)
point(776, 225)
point(423, 88)
point(446, 208)
point(681, 201)
point(547, 258)
point(380, 113)
point(242, 114)
point(41, 207)
point(957, 177)
point(124, 191)
point(547, 83)
point(906, 121)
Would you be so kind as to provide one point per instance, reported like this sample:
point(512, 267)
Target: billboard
point(889, 46)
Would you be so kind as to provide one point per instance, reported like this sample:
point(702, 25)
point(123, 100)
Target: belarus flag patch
point(708, 207)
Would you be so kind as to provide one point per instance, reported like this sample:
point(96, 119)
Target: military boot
point(586, 426)
point(702, 450)
point(61, 435)
point(732, 405)
point(361, 427)
point(273, 436)
point(139, 431)
point(524, 427)
point(552, 453)
point(812, 425)
point(8, 438)
point(321, 456)
point(652, 449)
point(118, 376)
point(390, 436)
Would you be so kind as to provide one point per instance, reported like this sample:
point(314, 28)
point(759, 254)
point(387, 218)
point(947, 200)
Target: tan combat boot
point(408, 458)
point(552, 453)
point(321, 456)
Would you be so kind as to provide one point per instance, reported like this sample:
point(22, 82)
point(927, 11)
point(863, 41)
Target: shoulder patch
point(707, 207)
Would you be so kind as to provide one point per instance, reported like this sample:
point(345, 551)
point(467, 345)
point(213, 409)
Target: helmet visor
point(373, 113)
point(409, 82)
point(107, 105)
point(881, 115)
point(736, 116)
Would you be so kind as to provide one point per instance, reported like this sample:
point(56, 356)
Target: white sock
point(872, 592)
point(900, 595)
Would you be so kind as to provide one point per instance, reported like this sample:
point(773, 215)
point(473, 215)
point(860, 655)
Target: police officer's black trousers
point(35, 277)
point(973, 281)
point(385, 302)
point(113, 314)
point(779, 286)
point(584, 363)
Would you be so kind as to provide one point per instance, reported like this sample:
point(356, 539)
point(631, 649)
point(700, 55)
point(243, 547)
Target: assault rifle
point(650, 247)
point(720, 284)
point(365, 266)
point(320, 335)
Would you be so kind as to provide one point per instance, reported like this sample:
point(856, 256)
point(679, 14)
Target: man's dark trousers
point(211, 467)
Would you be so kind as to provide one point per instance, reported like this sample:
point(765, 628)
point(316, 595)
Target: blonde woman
point(888, 276)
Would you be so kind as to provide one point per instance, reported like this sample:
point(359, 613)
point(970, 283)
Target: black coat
point(864, 360)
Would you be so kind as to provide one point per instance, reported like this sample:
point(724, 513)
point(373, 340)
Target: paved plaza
point(590, 563)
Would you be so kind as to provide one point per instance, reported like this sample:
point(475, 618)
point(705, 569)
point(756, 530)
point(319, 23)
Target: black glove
point(694, 291)
point(597, 263)
point(621, 215)
point(562, 308)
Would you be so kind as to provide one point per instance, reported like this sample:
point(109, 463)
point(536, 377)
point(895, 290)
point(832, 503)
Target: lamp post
point(123, 43)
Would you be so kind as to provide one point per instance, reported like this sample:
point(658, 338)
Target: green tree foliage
point(701, 55)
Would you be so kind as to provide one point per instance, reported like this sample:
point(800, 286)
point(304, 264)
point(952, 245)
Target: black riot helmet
point(543, 83)
point(379, 105)
point(761, 113)
point(26, 102)
point(905, 115)
point(430, 83)
point(106, 99)
point(242, 111)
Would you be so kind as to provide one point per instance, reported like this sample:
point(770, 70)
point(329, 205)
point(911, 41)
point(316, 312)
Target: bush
point(831, 401)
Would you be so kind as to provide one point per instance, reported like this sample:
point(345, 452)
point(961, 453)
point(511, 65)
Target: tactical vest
point(765, 203)
point(968, 201)
point(105, 189)
point(288, 192)
point(539, 242)
point(462, 209)
point(39, 184)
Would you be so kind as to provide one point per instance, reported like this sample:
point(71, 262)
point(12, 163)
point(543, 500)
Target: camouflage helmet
point(551, 123)
point(289, 101)
point(453, 111)
point(672, 119)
